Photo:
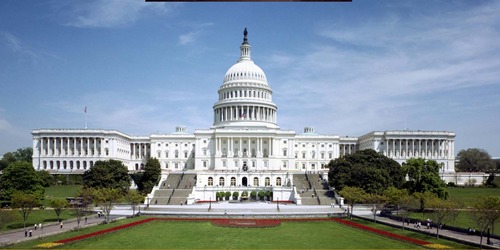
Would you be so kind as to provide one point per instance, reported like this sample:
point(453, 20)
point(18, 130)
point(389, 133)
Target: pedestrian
point(40, 225)
point(25, 233)
point(85, 220)
point(35, 226)
point(31, 232)
point(61, 225)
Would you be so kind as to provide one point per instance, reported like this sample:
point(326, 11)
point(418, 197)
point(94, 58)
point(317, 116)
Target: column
point(240, 152)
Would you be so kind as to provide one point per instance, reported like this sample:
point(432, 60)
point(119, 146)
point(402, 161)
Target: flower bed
point(246, 223)
point(382, 232)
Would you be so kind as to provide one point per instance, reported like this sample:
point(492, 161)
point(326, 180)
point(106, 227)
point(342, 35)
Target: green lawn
point(60, 192)
point(202, 235)
point(468, 195)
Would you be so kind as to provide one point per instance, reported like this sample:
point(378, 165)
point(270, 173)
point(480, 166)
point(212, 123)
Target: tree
point(106, 197)
point(25, 202)
point(134, 198)
point(403, 201)
point(423, 198)
point(474, 160)
point(21, 154)
point(20, 176)
point(485, 212)
point(423, 176)
point(59, 206)
point(377, 202)
point(442, 211)
point(367, 169)
point(150, 177)
point(489, 209)
point(84, 198)
point(353, 195)
point(46, 178)
point(107, 174)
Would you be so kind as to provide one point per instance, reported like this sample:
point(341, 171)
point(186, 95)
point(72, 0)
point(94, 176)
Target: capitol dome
point(245, 98)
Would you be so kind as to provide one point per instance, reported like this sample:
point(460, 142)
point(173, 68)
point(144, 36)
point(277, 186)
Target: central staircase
point(175, 189)
point(312, 189)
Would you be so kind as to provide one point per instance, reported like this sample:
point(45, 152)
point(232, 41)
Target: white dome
point(245, 70)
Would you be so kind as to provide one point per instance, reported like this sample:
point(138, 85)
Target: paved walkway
point(223, 209)
point(366, 213)
point(16, 236)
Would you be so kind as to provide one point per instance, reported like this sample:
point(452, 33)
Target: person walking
point(61, 224)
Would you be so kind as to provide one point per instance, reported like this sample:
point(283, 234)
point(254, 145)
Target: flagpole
point(85, 110)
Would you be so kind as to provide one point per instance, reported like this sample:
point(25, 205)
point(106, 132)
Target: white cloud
point(379, 74)
point(113, 13)
point(18, 47)
point(192, 36)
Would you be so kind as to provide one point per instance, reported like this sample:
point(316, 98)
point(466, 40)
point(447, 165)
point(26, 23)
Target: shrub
point(253, 195)
point(227, 195)
point(261, 195)
point(235, 195)
point(451, 184)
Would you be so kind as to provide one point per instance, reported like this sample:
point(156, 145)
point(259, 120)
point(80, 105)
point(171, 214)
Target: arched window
point(233, 181)
point(267, 182)
point(256, 181)
point(278, 181)
point(284, 152)
point(159, 154)
point(210, 181)
point(166, 154)
point(221, 181)
point(176, 153)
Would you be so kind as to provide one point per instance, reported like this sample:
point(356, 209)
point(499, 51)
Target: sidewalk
point(17, 235)
point(444, 233)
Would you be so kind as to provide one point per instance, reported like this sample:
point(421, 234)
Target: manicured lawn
point(60, 192)
point(468, 195)
point(203, 235)
point(37, 216)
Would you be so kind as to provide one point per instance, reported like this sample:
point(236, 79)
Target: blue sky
point(343, 68)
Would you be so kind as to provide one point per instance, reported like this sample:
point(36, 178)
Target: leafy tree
point(423, 176)
point(20, 176)
point(150, 177)
point(21, 154)
point(474, 160)
point(423, 198)
point(106, 198)
point(45, 178)
point(107, 174)
point(353, 195)
point(134, 198)
point(485, 212)
point(85, 198)
point(235, 195)
point(442, 211)
point(25, 202)
point(367, 169)
point(58, 205)
point(377, 201)
point(402, 199)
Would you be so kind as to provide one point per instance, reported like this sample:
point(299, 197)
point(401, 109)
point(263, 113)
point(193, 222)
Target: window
point(278, 181)
point(322, 155)
point(176, 153)
point(221, 181)
point(210, 181)
point(204, 152)
point(284, 152)
point(159, 154)
point(296, 155)
point(303, 155)
point(267, 182)
point(284, 164)
point(330, 155)
point(185, 154)
point(204, 164)
point(166, 154)
point(233, 181)
point(303, 166)
point(256, 181)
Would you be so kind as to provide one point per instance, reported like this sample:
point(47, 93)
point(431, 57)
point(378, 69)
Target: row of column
point(429, 148)
point(139, 150)
point(70, 146)
point(347, 149)
point(245, 93)
point(259, 150)
point(242, 113)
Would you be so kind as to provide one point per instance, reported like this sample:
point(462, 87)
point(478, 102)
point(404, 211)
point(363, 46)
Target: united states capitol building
point(244, 149)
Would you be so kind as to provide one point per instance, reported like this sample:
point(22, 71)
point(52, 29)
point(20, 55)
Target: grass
point(60, 192)
point(37, 216)
point(203, 235)
point(468, 195)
